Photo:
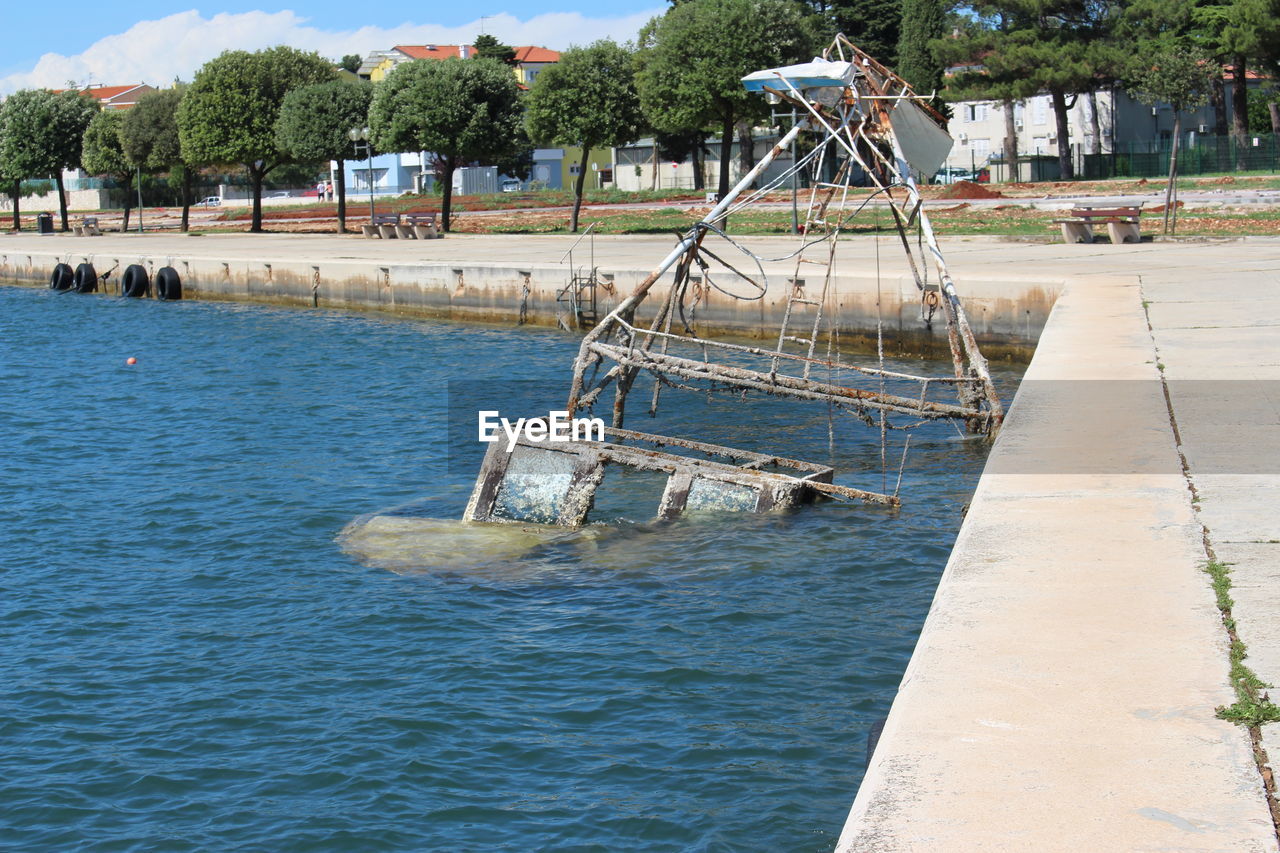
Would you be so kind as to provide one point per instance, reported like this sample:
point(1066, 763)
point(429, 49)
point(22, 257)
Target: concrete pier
point(1062, 694)
point(504, 279)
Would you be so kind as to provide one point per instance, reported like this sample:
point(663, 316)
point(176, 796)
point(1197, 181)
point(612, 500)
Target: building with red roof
point(116, 97)
point(529, 59)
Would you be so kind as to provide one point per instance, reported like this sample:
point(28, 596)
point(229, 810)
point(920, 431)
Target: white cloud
point(157, 51)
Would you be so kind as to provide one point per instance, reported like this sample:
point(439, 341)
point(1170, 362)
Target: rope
point(884, 469)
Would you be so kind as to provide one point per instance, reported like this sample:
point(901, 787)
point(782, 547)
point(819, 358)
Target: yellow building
point(528, 62)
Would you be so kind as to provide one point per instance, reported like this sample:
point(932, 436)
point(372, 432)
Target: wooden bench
point(1122, 224)
point(421, 225)
point(88, 227)
point(382, 225)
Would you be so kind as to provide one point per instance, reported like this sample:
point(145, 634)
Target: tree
point(150, 140)
point(103, 155)
point(691, 60)
point(314, 124)
point(684, 145)
point(1170, 73)
point(875, 26)
point(1241, 34)
point(351, 62)
point(44, 132)
point(488, 47)
point(986, 73)
point(588, 98)
point(1063, 47)
point(229, 113)
point(462, 110)
point(923, 21)
point(11, 175)
point(518, 162)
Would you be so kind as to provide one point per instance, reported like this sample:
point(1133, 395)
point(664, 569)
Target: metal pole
point(795, 215)
point(368, 150)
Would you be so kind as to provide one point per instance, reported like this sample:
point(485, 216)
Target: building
point(393, 174)
point(1107, 122)
point(116, 97)
point(531, 60)
point(380, 63)
point(528, 62)
point(639, 166)
point(557, 168)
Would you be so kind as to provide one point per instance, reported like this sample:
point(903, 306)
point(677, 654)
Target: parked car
point(952, 175)
point(210, 201)
point(280, 195)
point(512, 185)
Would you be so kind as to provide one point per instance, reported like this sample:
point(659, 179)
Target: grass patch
point(954, 221)
point(1253, 706)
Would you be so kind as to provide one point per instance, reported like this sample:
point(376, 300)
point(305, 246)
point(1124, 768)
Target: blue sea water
point(189, 660)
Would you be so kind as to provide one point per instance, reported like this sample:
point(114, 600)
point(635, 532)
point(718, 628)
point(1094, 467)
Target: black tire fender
point(61, 278)
point(136, 283)
point(85, 279)
point(168, 284)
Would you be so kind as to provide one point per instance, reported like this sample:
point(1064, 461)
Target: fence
point(1203, 155)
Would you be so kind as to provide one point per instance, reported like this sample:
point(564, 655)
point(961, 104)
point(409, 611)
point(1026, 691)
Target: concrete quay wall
point(1062, 695)
point(489, 280)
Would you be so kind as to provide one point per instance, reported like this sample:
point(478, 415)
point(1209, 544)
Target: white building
point(978, 128)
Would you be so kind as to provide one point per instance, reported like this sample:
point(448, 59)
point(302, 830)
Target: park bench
point(1121, 222)
point(421, 225)
point(88, 227)
point(382, 225)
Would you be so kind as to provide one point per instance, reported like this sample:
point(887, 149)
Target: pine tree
point(1022, 47)
point(875, 26)
point(923, 21)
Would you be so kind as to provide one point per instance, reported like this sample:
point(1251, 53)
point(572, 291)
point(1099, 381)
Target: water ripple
point(193, 663)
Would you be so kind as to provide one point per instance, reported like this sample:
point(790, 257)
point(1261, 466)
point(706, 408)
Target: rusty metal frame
point(854, 124)
point(726, 465)
point(859, 124)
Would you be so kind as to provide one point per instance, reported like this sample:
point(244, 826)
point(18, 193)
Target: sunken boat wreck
point(859, 119)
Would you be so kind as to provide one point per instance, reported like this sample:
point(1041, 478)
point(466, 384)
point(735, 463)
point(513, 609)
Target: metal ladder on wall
point(580, 294)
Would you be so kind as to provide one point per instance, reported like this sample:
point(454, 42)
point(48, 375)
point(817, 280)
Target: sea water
point(194, 659)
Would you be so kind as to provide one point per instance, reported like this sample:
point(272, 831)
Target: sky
point(89, 41)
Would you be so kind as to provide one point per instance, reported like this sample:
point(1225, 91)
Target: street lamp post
point(360, 138)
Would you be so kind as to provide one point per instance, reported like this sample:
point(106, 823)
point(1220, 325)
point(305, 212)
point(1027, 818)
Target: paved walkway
point(1062, 694)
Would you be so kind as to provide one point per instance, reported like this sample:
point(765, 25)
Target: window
point(575, 168)
point(361, 178)
point(977, 112)
point(981, 150)
point(1040, 108)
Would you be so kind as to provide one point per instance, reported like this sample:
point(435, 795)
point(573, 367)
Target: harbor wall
point(1062, 694)
point(1006, 315)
